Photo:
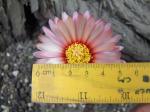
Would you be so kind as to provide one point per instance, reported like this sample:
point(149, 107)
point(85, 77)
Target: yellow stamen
point(78, 53)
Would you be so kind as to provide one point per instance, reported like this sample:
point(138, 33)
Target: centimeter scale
point(91, 83)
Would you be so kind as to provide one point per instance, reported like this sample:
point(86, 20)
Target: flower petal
point(87, 14)
point(49, 46)
point(108, 55)
point(41, 61)
point(44, 39)
point(104, 47)
point(58, 34)
point(52, 36)
point(80, 22)
point(88, 28)
point(70, 25)
point(61, 31)
point(56, 19)
point(114, 39)
point(104, 36)
point(45, 54)
point(99, 26)
point(118, 48)
point(108, 45)
point(75, 16)
point(50, 61)
point(55, 61)
point(64, 16)
point(109, 61)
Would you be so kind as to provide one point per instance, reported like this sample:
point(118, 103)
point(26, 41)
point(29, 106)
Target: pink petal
point(109, 61)
point(104, 36)
point(61, 31)
point(87, 14)
point(99, 26)
point(44, 39)
point(80, 22)
point(41, 61)
point(49, 46)
point(75, 16)
point(108, 45)
point(114, 39)
point(50, 61)
point(56, 19)
point(118, 48)
point(70, 26)
point(45, 54)
point(64, 16)
point(55, 61)
point(58, 35)
point(110, 55)
point(64, 30)
point(104, 47)
point(88, 28)
point(52, 36)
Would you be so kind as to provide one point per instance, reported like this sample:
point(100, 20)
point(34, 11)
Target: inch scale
point(91, 83)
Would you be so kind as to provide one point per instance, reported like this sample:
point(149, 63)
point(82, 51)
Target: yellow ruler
point(91, 83)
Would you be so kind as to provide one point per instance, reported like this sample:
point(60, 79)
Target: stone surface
point(130, 18)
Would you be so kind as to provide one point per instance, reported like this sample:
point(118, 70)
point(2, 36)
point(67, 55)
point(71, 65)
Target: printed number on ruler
point(91, 83)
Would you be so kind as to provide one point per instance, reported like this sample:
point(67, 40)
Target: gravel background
point(20, 18)
point(15, 84)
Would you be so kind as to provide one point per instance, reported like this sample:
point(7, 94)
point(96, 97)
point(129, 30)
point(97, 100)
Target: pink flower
point(78, 39)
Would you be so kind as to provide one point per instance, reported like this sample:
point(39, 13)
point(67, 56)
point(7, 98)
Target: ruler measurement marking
point(137, 73)
point(129, 65)
point(93, 100)
point(41, 96)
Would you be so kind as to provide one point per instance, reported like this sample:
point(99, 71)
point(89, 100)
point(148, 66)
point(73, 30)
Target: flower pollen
point(77, 53)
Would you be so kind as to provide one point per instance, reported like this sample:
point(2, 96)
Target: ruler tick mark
point(70, 72)
point(70, 86)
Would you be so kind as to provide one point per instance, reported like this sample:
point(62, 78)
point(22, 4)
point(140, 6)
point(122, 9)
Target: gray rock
point(15, 73)
point(5, 108)
point(6, 67)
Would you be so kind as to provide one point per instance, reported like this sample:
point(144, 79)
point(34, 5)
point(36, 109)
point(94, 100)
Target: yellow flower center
point(77, 53)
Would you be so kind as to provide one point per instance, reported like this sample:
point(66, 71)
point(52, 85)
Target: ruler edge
point(89, 65)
